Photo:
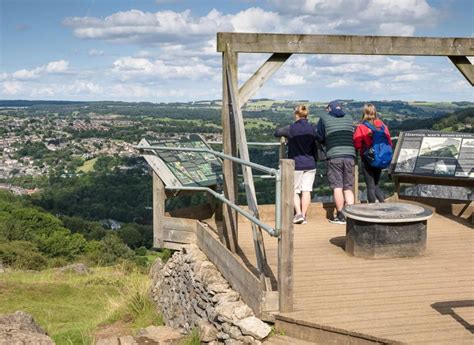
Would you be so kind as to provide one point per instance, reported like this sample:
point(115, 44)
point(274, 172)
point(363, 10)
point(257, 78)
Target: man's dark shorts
point(341, 173)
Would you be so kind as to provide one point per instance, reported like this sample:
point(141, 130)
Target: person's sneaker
point(298, 219)
point(304, 221)
point(338, 219)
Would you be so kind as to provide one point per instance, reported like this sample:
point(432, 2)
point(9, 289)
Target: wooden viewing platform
point(423, 300)
point(322, 294)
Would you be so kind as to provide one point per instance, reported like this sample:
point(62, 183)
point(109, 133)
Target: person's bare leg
point(297, 204)
point(349, 197)
point(338, 198)
point(305, 201)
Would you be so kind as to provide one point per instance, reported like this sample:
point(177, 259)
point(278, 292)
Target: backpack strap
point(372, 127)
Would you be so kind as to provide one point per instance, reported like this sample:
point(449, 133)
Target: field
point(73, 307)
point(87, 166)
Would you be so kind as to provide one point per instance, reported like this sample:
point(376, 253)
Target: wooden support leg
point(397, 189)
point(241, 137)
point(159, 198)
point(230, 226)
point(285, 242)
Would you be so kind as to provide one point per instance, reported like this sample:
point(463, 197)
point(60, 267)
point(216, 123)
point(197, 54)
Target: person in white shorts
point(301, 148)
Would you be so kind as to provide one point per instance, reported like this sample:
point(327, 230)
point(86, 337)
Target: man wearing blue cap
point(335, 131)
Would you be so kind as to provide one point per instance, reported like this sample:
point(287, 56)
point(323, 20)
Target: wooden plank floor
point(425, 300)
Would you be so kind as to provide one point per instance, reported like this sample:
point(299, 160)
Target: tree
point(131, 236)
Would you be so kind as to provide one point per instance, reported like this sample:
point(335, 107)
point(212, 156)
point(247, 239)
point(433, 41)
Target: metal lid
point(387, 212)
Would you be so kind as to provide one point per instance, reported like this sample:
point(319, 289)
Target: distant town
point(41, 137)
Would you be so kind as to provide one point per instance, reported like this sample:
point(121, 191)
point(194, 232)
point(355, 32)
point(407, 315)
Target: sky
point(165, 50)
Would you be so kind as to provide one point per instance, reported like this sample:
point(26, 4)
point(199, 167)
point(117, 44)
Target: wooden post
point(230, 226)
point(397, 188)
point(282, 148)
point(250, 194)
point(285, 241)
point(158, 211)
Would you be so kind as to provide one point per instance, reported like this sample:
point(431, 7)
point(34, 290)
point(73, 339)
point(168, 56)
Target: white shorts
point(304, 180)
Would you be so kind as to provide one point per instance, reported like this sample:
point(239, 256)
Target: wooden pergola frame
point(282, 46)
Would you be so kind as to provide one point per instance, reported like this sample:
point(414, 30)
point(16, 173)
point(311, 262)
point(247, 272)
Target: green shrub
point(108, 251)
point(141, 251)
point(130, 235)
point(62, 244)
point(22, 255)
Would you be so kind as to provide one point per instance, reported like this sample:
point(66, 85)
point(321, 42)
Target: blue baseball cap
point(335, 109)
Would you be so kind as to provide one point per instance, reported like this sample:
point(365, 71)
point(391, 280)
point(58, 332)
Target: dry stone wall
point(191, 293)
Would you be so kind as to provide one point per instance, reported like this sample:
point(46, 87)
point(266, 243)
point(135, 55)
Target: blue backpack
point(380, 154)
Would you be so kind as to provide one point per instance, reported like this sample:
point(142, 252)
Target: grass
point(192, 338)
point(70, 307)
point(256, 123)
point(87, 166)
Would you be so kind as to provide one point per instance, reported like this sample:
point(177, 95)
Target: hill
point(460, 120)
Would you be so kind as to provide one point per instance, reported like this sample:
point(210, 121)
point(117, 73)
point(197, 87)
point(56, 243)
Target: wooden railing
point(170, 232)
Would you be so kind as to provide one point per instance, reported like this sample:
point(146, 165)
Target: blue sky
point(164, 50)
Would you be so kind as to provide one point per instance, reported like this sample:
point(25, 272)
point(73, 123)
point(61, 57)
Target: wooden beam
point(230, 266)
point(464, 66)
point(229, 169)
point(247, 173)
point(179, 224)
point(158, 211)
point(285, 241)
point(176, 236)
point(265, 71)
point(200, 212)
point(345, 44)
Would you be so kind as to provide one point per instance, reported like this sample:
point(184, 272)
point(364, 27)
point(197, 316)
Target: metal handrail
point(252, 143)
point(275, 232)
point(271, 231)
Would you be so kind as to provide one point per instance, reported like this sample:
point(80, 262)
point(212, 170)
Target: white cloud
point(57, 66)
point(95, 52)
point(146, 27)
point(298, 16)
point(290, 80)
point(386, 17)
point(398, 29)
point(338, 83)
point(52, 67)
point(11, 88)
point(24, 74)
point(129, 67)
point(255, 19)
point(87, 87)
point(176, 47)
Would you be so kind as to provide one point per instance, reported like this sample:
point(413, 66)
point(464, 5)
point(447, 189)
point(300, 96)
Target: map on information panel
point(190, 168)
point(436, 154)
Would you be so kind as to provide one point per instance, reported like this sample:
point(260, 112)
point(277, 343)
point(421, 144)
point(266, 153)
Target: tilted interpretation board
point(179, 168)
point(430, 157)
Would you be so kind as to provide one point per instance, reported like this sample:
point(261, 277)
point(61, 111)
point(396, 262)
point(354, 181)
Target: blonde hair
point(369, 113)
point(302, 111)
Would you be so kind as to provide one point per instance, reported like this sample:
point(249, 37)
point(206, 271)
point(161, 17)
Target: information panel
point(435, 154)
point(190, 168)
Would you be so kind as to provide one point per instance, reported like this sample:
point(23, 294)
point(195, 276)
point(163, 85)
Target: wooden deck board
point(385, 298)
